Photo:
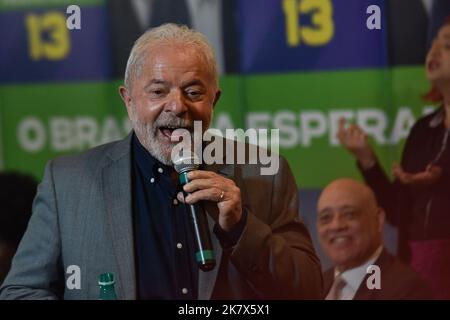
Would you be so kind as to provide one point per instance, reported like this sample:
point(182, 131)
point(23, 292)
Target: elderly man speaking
point(117, 208)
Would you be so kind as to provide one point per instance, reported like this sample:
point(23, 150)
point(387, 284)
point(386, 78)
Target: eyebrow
point(184, 85)
point(324, 211)
point(155, 81)
point(329, 209)
point(193, 82)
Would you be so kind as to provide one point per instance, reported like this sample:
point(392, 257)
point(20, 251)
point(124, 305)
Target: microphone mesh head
point(188, 161)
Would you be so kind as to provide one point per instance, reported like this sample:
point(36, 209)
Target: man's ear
point(216, 97)
point(126, 98)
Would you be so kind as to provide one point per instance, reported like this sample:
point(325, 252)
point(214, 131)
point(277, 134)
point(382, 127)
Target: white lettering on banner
point(63, 134)
point(374, 123)
point(285, 120)
point(87, 130)
point(31, 134)
point(313, 125)
point(308, 126)
point(258, 120)
point(403, 123)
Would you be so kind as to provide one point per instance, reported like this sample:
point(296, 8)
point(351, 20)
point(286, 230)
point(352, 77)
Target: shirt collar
point(148, 164)
point(354, 277)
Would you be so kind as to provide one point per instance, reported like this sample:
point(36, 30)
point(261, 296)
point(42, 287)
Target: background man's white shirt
point(354, 277)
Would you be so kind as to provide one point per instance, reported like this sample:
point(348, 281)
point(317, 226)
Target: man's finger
point(201, 174)
point(203, 195)
point(198, 184)
point(180, 197)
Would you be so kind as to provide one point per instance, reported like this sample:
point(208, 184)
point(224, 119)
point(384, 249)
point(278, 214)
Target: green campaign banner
point(293, 65)
point(42, 121)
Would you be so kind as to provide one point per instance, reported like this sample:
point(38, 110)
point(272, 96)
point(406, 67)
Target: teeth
point(338, 240)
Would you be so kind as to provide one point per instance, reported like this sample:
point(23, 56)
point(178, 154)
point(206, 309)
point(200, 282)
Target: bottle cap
point(106, 279)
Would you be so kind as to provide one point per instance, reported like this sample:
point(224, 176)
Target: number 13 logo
point(322, 29)
point(57, 46)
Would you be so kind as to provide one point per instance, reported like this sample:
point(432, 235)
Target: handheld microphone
point(204, 253)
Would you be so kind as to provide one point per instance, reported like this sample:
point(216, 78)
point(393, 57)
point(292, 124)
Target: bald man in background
point(350, 228)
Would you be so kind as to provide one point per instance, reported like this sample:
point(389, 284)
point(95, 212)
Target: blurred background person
point(17, 192)
point(350, 228)
point(413, 24)
point(421, 211)
point(216, 19)
point(432, 173)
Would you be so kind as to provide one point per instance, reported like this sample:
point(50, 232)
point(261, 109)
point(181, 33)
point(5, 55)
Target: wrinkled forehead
point(336, 196)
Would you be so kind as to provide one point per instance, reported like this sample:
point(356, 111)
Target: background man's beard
point(146, 134)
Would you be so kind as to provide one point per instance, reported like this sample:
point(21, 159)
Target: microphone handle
point(204, 254)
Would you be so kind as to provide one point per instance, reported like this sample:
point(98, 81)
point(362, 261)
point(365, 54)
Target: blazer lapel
point(116, 178)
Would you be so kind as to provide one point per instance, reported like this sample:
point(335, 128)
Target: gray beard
point(147, 135)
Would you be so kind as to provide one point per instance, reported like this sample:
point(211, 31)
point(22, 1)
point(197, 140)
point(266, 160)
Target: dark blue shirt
point(164, 247)
point(164, 241)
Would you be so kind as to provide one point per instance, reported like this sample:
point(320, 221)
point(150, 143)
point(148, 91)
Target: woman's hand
point(354, 139)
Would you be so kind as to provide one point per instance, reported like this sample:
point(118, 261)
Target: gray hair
point(168, 33)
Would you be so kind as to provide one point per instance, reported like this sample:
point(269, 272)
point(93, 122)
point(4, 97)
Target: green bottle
point(106, 283)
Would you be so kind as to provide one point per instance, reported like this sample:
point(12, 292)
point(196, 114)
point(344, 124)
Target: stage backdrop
point(295, 65)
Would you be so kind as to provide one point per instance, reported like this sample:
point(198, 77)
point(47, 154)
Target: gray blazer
point(82, 216)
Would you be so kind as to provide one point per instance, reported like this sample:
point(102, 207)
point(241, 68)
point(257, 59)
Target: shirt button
point(152, 180)
point(184, 291)
point(175, 201)
point(179, 245)
point(160, 170)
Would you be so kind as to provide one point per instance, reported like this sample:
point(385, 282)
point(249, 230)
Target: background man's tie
point(336, 289)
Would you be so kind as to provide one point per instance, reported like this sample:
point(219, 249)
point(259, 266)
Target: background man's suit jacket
point(82, 215)
point(411, 29)
point(398, 282)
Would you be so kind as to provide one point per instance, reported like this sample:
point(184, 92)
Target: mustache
point(173, 122)
point(164, 120)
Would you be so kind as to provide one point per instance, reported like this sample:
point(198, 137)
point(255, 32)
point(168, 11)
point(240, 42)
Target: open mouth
point(340, 241)
point(168, 131)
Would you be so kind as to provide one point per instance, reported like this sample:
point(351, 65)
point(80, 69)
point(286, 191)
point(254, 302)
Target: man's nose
point(176, 103)
point(338, 223)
